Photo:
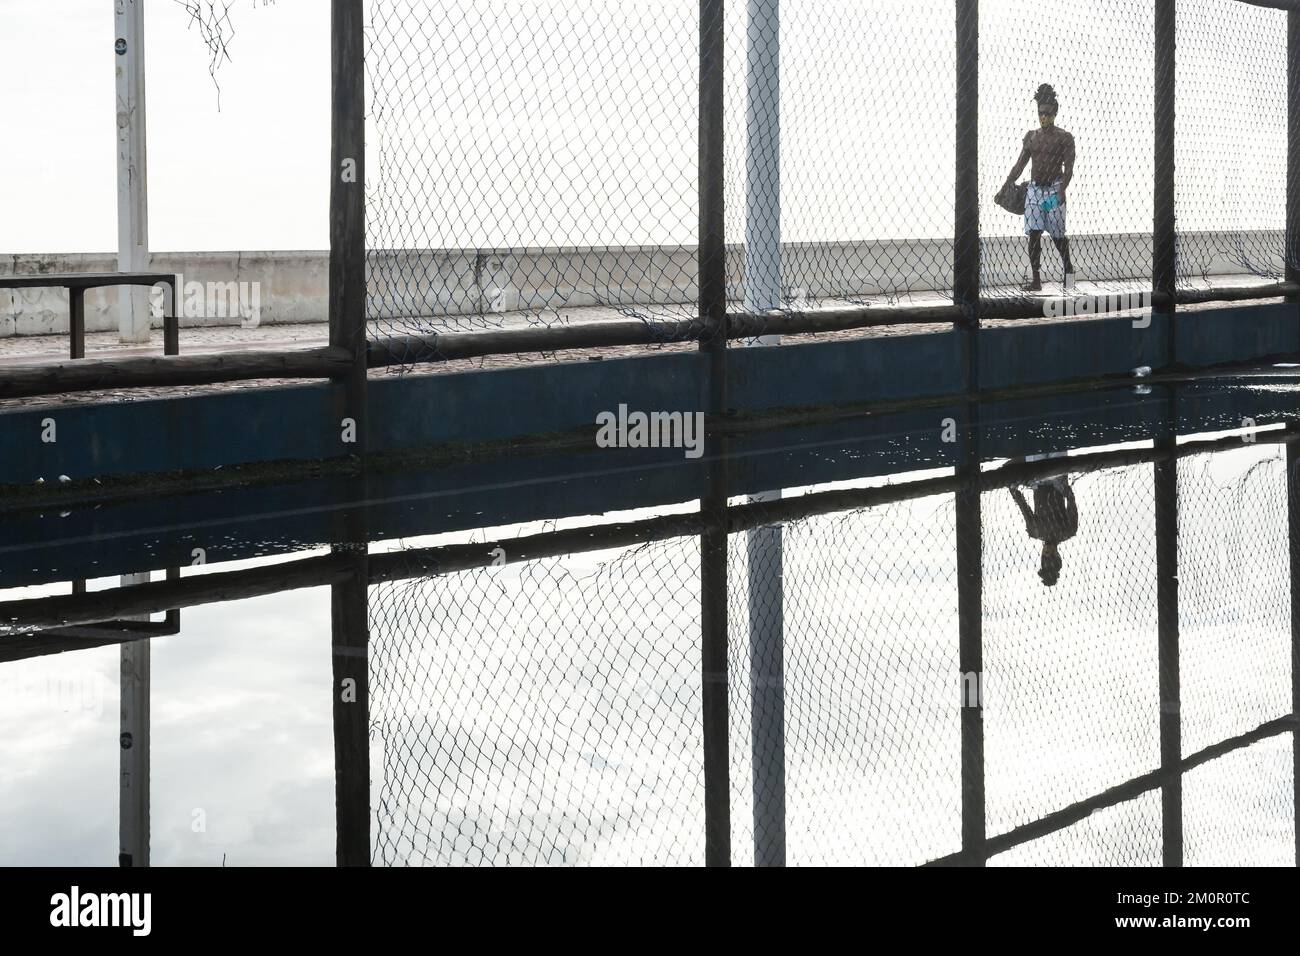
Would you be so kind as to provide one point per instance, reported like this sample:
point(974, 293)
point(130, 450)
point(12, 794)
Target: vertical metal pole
point(767, 683)
point(1293, 538)
point(134, 743)
point(1164, 266)
point(77, 322)
point(349, 627)
point(132, 168)
point(970, 655)
point(347, 290)
point(966, 210)
point(171, 321)
point(712, 227)
point(713, 541)
point(1292, 247)
point(764, 545)
point(347, 302)
point(1292, 273)
point(1166, 508)
point(969, 522)
point(1164, 261)
point(763, 156)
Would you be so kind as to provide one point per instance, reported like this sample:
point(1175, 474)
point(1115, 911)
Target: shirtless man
point(1053, 518)
point(1052, 151)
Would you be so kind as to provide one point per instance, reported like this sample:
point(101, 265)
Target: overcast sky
point(523, 132)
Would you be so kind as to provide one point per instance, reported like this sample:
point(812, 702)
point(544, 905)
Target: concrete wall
point(296, 422)
point(293, 285)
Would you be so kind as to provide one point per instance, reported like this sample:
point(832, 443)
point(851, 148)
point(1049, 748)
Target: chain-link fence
point(530, 164)
point(541, 713)
point(1066, 103)
point(549, 712)
point(538, 165)
point(560, 185)
point(840, 131)
point(1231, 143)
point(1071, 673)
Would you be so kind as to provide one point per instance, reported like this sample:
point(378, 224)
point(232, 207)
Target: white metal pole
point(133, 792)
point(764, 545)
point(763, 156)
point(132, 175)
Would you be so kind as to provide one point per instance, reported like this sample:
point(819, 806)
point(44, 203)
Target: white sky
point(510, 149)
point(252, 176)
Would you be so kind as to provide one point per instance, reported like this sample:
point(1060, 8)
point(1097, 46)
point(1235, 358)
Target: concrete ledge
point(297, 422)
point(293, 287)
point(432, 283)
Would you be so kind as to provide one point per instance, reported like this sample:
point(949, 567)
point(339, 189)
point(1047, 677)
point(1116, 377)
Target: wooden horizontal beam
point(137, 600)
point(1233, 293)
point(79, 375)
point(83, 280)
point(1274, 4)
point(1128, 790)
point(60, 640)
point(744, 325)
point(82, 375)
point(449, 346)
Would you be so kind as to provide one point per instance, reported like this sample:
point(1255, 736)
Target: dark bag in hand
point(1012, 198)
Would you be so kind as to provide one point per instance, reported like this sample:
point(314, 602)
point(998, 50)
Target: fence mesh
point(536, 164)
point(548, 712)
point(840, 129)
point(1098, 59)
point(530, 163)
point(1234, 596)
point(1230, 148)
point(542, 713)
point(1072, 695)
point(872, 745)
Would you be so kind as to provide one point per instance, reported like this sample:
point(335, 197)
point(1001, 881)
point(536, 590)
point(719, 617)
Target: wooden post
point(1292, 246)
point(1293, 538)
point(969, 521)
point(713, 540)
point(1166, 519)
point(966, 208)
point(347, 276)
point(350, 640)
point(1164, 267)
point(1164, 263)
point(77, 322)
point(172, 321)
point(347, 313)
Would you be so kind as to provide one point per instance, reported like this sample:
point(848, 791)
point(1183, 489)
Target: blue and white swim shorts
point(1038, 219)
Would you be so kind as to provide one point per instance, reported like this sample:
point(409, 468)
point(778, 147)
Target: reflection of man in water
point(1053, 519)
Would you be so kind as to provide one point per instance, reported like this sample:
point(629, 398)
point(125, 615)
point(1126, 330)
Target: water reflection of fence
point(531, 712)
point(551, 716)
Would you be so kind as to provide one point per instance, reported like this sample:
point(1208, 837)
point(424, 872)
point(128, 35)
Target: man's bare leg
point(1035, 261)
point(1063, 247)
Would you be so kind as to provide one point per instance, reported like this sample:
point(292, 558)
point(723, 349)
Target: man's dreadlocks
point(1046, 96)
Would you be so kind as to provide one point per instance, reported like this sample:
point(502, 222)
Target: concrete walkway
point(23, 350)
